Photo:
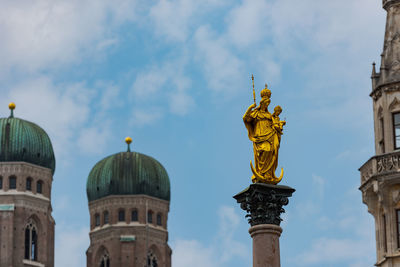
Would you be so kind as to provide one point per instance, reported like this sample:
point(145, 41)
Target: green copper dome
point(21, 140)
point(128, 173)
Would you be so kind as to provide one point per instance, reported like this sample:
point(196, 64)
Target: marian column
point(263, 200)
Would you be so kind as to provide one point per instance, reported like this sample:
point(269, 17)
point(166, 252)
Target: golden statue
point(265, 132)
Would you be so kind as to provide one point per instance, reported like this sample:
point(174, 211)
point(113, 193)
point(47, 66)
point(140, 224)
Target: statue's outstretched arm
point(246, 115)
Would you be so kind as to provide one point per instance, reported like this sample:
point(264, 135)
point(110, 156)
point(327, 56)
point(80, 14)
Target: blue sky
point(175, 76)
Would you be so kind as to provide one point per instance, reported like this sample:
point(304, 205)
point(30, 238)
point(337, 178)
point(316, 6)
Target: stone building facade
point(132, 240)
point(380, 175)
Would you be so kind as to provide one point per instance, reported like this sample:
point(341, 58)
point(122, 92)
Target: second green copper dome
point(128, 173)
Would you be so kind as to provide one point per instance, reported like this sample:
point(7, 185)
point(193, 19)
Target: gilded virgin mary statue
point(265, 130)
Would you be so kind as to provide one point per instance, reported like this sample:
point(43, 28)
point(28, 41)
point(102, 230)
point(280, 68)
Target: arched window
point(121, 215)
point(134, 217)
point(31, 242)
point(150, 216)
point(97, 219)
point(105, 261)
point(1, 182)
point(106, 218)
point(12, 182)
point(39, 187)
point(151, 260)
point(159, 219)
point(29, 184)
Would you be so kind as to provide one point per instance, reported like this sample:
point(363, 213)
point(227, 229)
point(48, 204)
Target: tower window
point(151, 260)
point(31, 242)
point(97, 220)
point(29, 184)
point(121, 215)
point(134, 216)
point(396, 130)
point(382, 137)
point(12, 182)
point(39, 187)
point(150, 216)
point(105, 261)
point(159, 219)
point(106, 217)
point(1, 182)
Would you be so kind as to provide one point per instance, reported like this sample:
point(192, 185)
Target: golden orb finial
point(128, 140)
point(11, 106)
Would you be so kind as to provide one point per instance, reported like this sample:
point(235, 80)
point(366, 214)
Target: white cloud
point(66, 112)
point(150, 82)
point(59, 109)
point(335, 250)
point(319, 185)
point(146, 116)
point(176, 19)
point(223, 70)
point(70, 246)
point(48, 34)
point(312, 204)
point(93, 139)
point(307, 208)
point(324, 23)
point(221, 252)
point(162, 86)
point(61, 203)
point(347, 237)
point(180, 102)
point(192, 253)
point(110, 96)
point(247, 23)
point(229, 247)
point(173, 18)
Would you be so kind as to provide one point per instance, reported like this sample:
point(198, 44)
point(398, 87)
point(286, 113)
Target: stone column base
point(266, 251)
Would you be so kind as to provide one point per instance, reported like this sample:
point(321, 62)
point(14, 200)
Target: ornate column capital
point(264, 202)
point(387, 3)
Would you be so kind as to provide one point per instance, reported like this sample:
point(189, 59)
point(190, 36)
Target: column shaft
point(266, 251)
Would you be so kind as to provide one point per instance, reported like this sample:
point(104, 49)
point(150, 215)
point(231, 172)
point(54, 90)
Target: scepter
point(254, 92)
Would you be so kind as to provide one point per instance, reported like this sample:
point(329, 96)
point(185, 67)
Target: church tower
point(128, 196)
point(27, 166)
point(380, 175)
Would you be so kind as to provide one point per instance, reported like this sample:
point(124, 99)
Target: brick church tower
point(27, 166)
point(380, 175)
point(129, 196)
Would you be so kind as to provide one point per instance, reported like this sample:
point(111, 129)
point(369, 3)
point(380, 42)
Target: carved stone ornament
point(264, 202)
point(387, 163)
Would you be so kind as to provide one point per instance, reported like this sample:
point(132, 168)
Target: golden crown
point(266, 92)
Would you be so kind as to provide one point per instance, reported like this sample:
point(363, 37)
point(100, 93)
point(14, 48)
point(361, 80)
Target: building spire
point(11, 106)
point(390, 58)
point(373, 70)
